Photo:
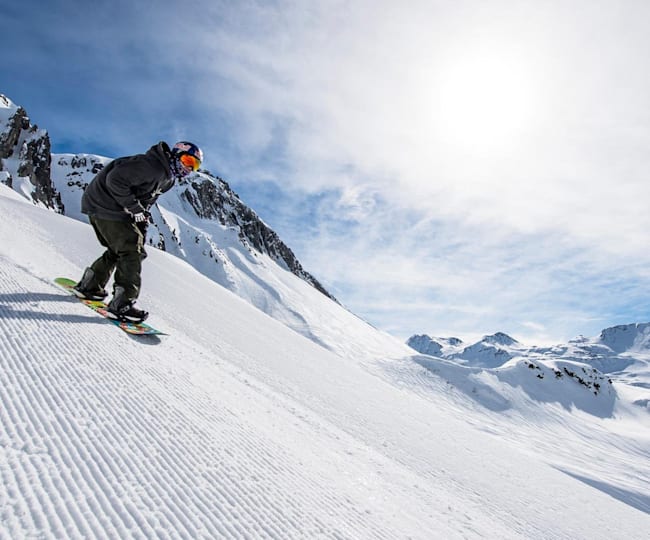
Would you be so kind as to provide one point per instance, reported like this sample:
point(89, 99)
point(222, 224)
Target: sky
point(454, 168)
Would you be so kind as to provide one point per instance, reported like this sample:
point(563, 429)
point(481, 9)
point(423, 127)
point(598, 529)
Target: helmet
point(187, 155)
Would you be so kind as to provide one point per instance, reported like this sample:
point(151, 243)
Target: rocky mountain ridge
point(57, 181)
point(25, 156)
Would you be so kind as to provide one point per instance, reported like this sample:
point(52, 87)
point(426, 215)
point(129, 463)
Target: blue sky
point(451, 168)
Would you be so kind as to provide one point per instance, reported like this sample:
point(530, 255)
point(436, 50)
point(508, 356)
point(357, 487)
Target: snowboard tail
point(136, 329)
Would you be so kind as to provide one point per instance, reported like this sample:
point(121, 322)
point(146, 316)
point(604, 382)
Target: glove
point(140, 217)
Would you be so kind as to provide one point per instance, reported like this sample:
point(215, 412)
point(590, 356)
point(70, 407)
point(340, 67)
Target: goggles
point(190, 162)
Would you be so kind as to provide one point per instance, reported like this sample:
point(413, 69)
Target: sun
point(484, 102)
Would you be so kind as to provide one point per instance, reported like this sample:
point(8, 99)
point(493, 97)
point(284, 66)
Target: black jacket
point(129, 185)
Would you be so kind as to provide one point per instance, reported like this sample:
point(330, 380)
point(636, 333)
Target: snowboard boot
point(122, 308)
point(87, 287)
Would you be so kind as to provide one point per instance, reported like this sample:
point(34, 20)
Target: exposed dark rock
point(11, 134)
point(35, 160)
point(215, 200)
point(31, 146)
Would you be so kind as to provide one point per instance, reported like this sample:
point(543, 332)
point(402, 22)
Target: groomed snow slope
point(235, 426)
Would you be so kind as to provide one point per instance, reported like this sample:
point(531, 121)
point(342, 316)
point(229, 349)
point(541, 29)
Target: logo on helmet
point(183, 147)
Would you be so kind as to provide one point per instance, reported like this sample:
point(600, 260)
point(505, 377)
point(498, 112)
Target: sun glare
point(484, 102)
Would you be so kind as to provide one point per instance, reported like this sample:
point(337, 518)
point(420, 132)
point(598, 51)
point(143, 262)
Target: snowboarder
point(117, 202)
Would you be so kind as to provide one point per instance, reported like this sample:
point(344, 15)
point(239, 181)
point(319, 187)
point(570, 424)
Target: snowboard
point(136, 329)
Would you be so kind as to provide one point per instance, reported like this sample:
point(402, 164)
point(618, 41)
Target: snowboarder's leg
point(125, 246)
point(125, 243)
point(103, 267)
point(94, 279)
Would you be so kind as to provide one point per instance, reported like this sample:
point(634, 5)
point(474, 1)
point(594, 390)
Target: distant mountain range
point(612, 351)
point(621, 353)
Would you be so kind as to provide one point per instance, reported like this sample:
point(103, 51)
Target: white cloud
point(372, 86)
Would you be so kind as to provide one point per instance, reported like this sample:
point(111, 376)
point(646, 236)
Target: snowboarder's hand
point(140, 217)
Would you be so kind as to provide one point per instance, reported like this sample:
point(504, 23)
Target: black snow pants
point(124, 243)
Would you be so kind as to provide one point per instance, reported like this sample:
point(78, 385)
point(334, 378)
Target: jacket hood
point(162, 153)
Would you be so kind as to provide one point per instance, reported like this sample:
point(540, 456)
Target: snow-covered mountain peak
point(500, 339)
point(6, 103)
point(425, 344)
point(25, 157)
point(435, 346)
point(628, 337)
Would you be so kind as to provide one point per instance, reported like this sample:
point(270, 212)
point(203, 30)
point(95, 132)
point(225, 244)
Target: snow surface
point(237, 426)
